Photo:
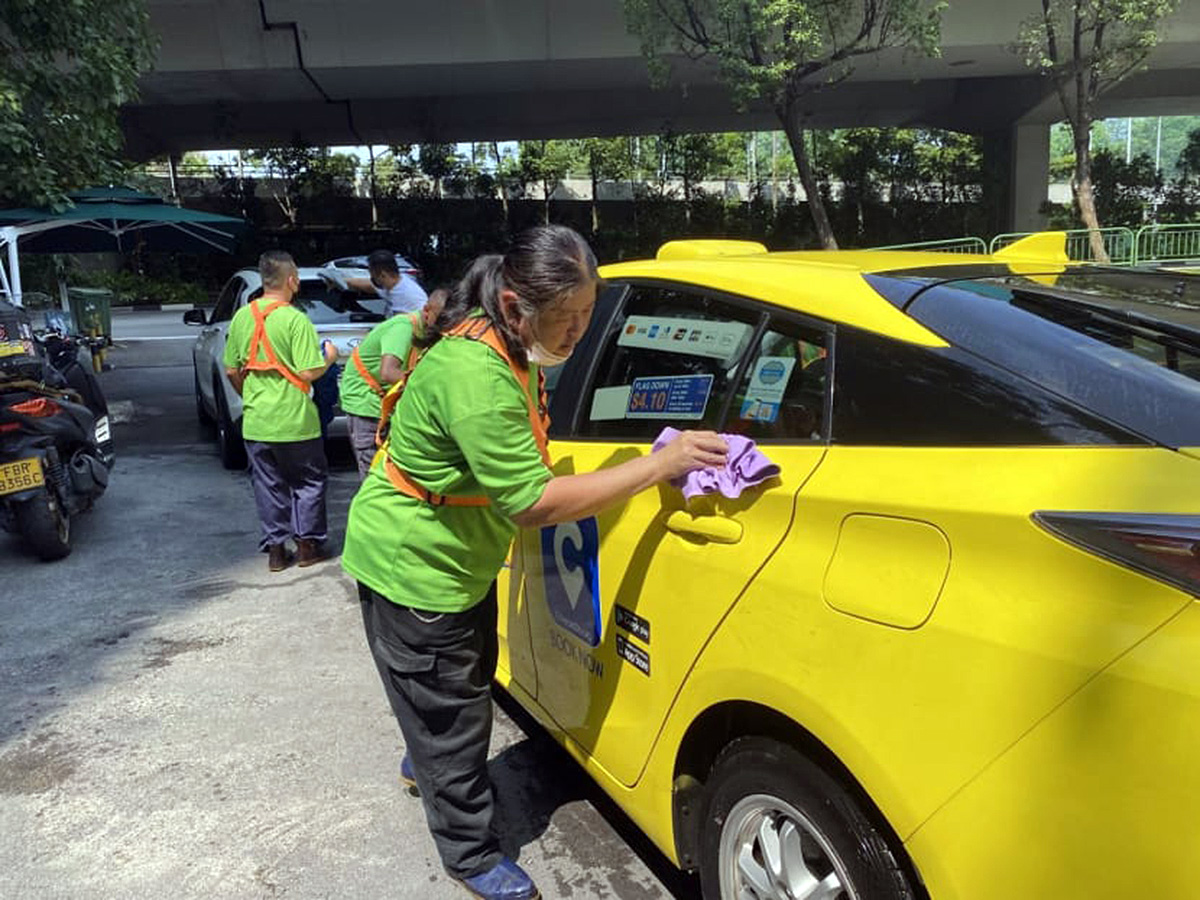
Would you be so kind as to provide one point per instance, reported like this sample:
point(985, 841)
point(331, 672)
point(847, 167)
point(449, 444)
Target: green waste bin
point(91, 311)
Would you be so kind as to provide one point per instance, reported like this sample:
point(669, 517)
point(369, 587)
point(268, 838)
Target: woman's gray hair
point(543, 266)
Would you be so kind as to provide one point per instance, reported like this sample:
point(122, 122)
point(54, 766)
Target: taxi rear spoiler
point(1043, 247)
point(707, 249)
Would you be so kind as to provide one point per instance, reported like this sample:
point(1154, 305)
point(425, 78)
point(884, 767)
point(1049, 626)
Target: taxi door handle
point(718, 529)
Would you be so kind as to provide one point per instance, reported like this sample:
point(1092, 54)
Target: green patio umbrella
point(105, 220)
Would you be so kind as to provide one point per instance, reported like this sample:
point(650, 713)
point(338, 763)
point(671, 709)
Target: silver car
point(342, 317)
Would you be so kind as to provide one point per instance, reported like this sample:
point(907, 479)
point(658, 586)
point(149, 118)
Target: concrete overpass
point(252, 73)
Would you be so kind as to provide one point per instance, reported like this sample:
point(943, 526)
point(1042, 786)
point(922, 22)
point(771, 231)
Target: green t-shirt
point(391, 337)
point(274, 409)
point(465, 431)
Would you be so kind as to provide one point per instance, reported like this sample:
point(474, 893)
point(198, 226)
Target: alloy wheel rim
point(769, 850)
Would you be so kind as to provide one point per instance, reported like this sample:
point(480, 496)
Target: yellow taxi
point(953, 649)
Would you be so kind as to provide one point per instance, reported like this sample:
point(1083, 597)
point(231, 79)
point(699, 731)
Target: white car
point(342, 317)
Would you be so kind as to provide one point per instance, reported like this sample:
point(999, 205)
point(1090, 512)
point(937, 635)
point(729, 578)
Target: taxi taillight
point(1164, 547)
point(38, 408)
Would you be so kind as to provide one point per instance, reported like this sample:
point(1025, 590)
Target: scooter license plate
point(20, 476)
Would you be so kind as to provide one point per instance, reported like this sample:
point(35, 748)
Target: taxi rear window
point(1124, 345)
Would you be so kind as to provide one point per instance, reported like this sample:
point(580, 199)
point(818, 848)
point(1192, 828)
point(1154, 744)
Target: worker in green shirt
point(433, 521)
point(378, 362)
point(272, 357)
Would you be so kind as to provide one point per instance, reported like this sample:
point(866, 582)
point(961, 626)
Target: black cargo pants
point(437, 670)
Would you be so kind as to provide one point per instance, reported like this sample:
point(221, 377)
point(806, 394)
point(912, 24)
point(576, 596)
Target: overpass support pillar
point(1016, 162)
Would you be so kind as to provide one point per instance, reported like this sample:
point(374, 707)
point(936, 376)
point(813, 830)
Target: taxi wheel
point(777, 827)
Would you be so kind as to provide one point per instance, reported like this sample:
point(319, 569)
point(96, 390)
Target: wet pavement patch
point(165, 650)
point(206, 590)
point(43, 764)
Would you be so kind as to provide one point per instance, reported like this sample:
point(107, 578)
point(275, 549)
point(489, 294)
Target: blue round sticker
point(771, 372)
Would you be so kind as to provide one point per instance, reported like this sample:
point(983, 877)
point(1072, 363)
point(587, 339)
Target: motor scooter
point(56, 446)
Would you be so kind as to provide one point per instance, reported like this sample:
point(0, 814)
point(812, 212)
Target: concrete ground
point(177, 722)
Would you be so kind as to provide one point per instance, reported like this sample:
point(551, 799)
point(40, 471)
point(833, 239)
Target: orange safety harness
point(259, 340)
point(473, 329)
point(414, 354)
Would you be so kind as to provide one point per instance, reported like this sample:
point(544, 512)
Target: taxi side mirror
point(195, 317)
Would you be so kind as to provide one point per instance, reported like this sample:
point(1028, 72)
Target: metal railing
point(1168, 243)
point(1119, 243)
point(949, 245)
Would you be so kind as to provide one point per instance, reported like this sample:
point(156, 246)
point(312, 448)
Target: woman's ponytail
point(482, 280)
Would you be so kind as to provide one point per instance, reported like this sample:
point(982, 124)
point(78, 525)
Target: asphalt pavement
point(175, 721)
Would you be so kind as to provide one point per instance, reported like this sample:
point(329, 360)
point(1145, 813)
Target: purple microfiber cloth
point(745, 466)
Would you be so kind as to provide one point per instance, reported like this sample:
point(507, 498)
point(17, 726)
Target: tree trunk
point(816, 206)
point(1085, 197)
point(595, 208)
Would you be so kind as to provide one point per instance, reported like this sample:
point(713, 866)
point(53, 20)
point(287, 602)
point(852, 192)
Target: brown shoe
point(278, 557)
point(309, 551)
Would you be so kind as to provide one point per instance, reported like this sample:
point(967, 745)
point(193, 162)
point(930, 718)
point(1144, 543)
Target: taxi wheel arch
point(777, 825)
point(718, 728)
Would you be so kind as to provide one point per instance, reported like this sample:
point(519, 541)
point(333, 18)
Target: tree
point(782, 51)
point(607, 159)
point(546, 163)
point(304, 174)
point(692, 158)
point(438, 162)
point(65, 70)
point(1085, 47)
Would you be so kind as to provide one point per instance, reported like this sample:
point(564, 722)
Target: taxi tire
point(45, 526)
point(762, 767)
point(229, 436)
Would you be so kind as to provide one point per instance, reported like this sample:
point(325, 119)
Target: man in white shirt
point(402, 293)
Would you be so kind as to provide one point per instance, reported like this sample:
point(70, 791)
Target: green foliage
point(777, 49)
point(131, 288)
point(693, 158)
point(1087, 46)
point(605, 159)
point(1126, 192)
point(65, 69)
point(306, 174)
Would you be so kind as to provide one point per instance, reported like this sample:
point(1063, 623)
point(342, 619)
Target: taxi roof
point(828, 284)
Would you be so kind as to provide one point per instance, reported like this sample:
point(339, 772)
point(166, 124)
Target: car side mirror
point(195, 317)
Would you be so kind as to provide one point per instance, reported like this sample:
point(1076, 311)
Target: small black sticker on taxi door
point(633, 623)
point(633, 654)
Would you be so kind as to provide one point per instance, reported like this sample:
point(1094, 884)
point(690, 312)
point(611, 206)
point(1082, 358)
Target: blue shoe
point(503, 881)
point(407, 776)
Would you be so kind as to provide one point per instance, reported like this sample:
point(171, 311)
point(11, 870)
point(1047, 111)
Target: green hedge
point(130, 288)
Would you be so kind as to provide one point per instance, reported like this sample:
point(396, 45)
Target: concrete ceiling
point(252, 73)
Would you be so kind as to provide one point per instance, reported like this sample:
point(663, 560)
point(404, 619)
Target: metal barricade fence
point(1119, 243)
point(949, 245)
point(1168, 243)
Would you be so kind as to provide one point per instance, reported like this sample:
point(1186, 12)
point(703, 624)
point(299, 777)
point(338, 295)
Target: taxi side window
point(670, 358)
point(227, 302)
point(781, 396)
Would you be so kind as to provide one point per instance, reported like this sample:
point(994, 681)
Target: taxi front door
point(621, 605)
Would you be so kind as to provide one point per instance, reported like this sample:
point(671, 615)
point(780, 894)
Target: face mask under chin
point(543, 357)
